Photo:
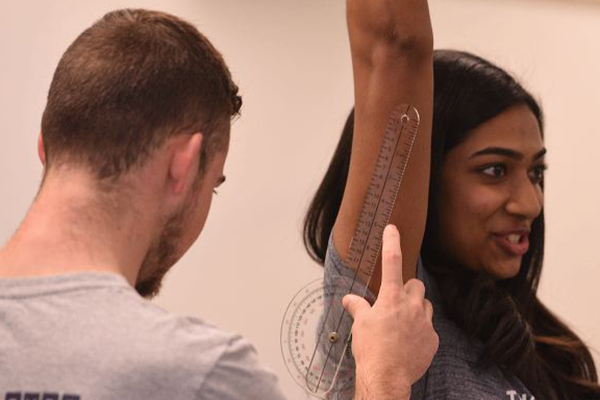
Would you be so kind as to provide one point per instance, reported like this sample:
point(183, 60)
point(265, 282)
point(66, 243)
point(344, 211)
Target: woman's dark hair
point(518, 332)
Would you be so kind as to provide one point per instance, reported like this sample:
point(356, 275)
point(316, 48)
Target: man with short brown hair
point(128, 85)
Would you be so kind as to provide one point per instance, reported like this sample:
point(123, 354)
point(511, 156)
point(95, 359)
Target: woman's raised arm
point(392, 56)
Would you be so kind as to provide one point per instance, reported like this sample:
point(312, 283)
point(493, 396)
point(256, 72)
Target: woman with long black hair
point(483, 244)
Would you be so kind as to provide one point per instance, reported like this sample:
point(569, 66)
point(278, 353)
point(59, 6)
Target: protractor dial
point(313, 342)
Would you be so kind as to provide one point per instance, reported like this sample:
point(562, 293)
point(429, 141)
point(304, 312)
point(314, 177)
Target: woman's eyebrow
point(540, 154)
point(220, 181)
point(501, 151)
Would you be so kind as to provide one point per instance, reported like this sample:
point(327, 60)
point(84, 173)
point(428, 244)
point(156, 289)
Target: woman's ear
point(41, 151)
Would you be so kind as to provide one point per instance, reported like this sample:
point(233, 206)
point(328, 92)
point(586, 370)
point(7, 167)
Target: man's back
point(91, 336)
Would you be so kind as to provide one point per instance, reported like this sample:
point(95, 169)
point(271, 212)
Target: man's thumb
point(355, 304)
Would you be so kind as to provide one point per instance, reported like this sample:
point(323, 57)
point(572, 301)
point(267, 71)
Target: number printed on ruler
point(391, 164)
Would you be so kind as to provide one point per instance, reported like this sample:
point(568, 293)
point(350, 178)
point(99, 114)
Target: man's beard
point(161, 256)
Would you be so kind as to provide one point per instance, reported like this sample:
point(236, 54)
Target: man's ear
point(185, 162)
point(41, 151)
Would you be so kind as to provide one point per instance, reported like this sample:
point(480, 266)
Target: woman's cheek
point(484, 203)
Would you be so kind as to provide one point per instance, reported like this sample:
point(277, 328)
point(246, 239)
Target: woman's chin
point(504, 269)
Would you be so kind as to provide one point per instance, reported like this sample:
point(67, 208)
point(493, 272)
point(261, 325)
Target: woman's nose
point(526, 199)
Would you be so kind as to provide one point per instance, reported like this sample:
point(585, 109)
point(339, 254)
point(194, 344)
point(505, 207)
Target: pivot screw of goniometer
point(333, 337)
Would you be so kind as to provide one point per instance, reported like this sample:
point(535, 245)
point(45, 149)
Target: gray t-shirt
point(90, 336)
point(453, 374)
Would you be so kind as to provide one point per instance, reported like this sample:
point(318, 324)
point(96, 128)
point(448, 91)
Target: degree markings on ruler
point(382, 192)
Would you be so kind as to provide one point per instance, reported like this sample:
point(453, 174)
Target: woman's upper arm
point(388, 73)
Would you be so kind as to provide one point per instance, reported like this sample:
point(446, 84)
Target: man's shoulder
point(185, 352)
point(220, 364)
point(153, 332)
point(175, 350)
point(76, 331)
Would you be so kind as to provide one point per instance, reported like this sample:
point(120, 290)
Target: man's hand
point(393, 341)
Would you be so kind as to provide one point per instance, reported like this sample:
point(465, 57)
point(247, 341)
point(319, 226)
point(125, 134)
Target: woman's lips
point(511, 246)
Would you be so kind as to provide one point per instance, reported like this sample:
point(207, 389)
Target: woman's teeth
point(514, 238)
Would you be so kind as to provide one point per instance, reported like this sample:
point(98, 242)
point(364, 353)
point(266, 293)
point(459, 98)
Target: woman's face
point(491, 193)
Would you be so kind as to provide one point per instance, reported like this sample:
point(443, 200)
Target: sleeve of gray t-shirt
point(239, 375)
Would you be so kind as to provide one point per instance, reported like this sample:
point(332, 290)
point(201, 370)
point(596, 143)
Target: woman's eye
point(215, 191)
point(537, 174)
point(495, 171)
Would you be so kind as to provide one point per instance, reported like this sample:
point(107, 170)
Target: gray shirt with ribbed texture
point(453, 374)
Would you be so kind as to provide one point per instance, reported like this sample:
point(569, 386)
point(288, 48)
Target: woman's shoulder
point(455, 372)
point(452, 378)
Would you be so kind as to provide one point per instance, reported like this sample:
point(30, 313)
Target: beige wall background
point(292, 61)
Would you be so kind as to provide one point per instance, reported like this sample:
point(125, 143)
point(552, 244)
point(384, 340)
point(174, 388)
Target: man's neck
point(71, 228)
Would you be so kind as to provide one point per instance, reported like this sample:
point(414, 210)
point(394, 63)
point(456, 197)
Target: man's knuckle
point(416, 307)
point(416, 285)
